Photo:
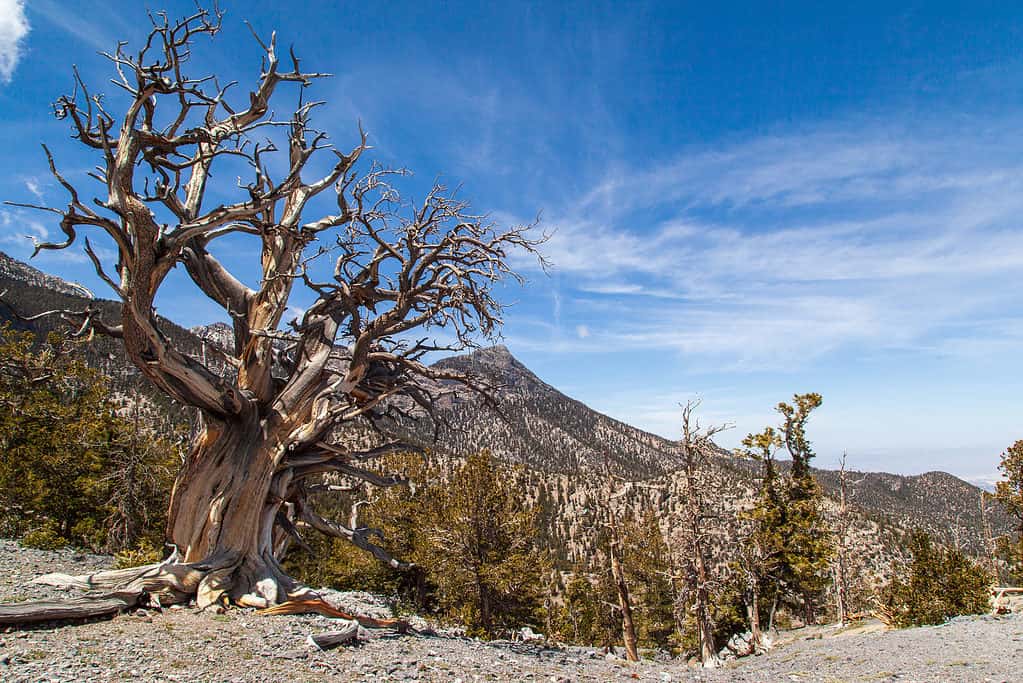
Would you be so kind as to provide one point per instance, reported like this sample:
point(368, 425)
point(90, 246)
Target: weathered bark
point(695, 444)
point(332, 639)
point(841, 570)
point(75, 609)
point(222, 514)
point(708, 652)
point(322, 607)
point(756, 641)
point(774, 610)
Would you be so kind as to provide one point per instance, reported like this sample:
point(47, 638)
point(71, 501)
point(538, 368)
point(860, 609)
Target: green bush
point(938, 584)
point(46, 538)
point(144, 553)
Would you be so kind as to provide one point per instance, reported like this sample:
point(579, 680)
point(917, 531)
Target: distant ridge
point(559, 439)
point(13, 269)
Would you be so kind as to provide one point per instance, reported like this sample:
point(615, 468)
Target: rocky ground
point(184, 645)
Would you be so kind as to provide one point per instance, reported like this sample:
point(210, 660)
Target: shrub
point(938, 584)
point(46, 538)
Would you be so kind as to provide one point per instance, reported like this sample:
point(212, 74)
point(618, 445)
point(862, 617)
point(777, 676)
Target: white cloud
point(13, 29)
point(32, 185)
point(582, 331)
point(18, 231)
point(777, 251)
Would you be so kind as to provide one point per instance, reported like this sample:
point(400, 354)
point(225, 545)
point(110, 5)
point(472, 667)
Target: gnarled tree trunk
point(223, 513)
point(268, 410)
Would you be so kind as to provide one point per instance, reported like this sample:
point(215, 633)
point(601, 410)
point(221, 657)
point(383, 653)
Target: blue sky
point(750, 200)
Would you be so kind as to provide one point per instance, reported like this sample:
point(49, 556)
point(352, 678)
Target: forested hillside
point(562, 443)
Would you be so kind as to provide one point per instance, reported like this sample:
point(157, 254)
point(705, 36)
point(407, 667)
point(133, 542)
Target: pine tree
point(401, 513)
point(647, 562)
point(1009, 492)
point(789, 528)
point(481, 552)
point(760, 561)
point(72, 470)
point(586, 616)
point(808, 546)
point(939, 583)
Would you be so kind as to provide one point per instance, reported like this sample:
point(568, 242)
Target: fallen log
point(35, 611)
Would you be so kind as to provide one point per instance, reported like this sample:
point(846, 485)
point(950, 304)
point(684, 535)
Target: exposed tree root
point(167, 583)
point(320, 606)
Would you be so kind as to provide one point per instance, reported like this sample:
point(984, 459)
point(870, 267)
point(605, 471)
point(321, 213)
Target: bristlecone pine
point(379, 268)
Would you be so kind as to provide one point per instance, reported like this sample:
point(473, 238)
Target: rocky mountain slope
point(545, 430)
point(562, 442)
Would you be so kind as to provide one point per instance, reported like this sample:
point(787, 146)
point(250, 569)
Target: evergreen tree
point(809, 545)
point(761, 558)
point(480, 549)
point(72, 470)
point(400, 512)
point(586, 616)
point(1009, 492)
point(939, 583)
point(647, 564)
point(789, 526)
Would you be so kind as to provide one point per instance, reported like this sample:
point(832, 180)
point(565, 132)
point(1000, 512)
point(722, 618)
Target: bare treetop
point(399, 269)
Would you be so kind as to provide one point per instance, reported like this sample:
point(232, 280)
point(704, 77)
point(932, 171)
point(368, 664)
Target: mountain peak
point(496, 352)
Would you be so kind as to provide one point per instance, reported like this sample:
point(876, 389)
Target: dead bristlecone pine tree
point(382, 271)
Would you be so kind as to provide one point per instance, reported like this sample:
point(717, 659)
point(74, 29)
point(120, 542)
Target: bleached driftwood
point(331, 639)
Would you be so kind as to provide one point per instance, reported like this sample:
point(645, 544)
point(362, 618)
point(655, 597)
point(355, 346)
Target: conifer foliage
point(789, 529)
point(1009, 492)
point(75, 467)
point(473, 542)
point(939, 583)
point(480, 547)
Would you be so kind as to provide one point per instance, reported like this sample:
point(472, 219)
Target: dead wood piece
point(36, 611)
point(332, 639)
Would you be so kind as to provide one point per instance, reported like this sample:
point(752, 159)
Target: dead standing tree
point(840, 568)
point(696, 578)
point(612, 526)
point(261, 434)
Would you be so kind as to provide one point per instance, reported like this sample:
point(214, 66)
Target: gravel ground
point(184, 645)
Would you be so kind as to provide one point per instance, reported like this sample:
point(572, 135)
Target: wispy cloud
point(778, 250)
point(32, 185)
point(91, 28)
point(13, 30)
point(20, 233)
